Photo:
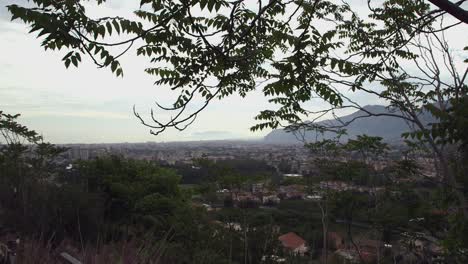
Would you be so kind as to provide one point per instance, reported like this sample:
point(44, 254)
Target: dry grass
point(38, 251)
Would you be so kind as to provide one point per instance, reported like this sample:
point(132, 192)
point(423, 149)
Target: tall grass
point(43, 251)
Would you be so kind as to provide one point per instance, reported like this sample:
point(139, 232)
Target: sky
point(90, 105)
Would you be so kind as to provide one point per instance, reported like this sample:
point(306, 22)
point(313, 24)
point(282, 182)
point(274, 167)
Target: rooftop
point(291, 240)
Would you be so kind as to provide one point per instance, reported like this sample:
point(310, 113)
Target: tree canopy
point(293, 51)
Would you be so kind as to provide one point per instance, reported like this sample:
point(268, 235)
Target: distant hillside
point(389, 128)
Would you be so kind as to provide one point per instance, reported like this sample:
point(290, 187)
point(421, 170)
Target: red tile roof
point(291, 240)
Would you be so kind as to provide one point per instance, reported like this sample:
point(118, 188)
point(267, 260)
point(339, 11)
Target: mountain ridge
point(388, 127)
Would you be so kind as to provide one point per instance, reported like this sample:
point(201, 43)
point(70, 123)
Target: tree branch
point(452, 8)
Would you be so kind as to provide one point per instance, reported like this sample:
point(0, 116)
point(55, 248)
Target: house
point(270, 199)
point(233, 226)
point(294, 195)
point(348, 255)
point(292, 175)
point(428, 246)
point(257, 187)
point(207, 207)
point(370, 249)
point(293, 243)
point(230, 225)
point(223, 191)
point(273, 258)
point(247, 200)
point(314, 197)
point(294, 191)
point(244, 196)
point(335, 241)
point(292, 188)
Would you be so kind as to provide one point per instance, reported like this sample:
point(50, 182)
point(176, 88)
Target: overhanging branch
point(452, 8)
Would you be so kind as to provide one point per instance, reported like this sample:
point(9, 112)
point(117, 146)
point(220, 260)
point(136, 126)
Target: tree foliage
point(293, 51)
point(134, 190)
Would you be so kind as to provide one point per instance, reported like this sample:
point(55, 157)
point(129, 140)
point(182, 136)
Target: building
point(348, 255)
point(293, 243)
point(292, 175)
point(335, 241)
point(257, 188)
point(270, 199)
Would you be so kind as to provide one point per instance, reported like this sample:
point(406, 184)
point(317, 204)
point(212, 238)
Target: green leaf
point(114, 66)
point(102, 30)
point(116, 26)
point(203, 4)
point(211, 4)
point(74, 61)
point(333, 63)
point(68, 55)
point(143, 2)
point(109, 27)
point(119, 72)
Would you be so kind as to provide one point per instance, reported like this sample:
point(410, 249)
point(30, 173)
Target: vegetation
point(114, 210)
point(96, 206)
point(292, 46)
point(293, 52)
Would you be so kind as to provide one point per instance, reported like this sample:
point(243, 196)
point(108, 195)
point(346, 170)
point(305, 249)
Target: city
point(233, 132)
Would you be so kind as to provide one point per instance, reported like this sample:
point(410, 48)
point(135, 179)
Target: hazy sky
point(90, 105)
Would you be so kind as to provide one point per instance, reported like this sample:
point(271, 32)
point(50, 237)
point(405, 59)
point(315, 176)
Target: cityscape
point(233, 132)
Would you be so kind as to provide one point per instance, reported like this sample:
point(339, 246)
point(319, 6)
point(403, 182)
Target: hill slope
point(389, 128)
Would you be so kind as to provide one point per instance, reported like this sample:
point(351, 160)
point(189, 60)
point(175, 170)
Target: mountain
point(387, 127)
